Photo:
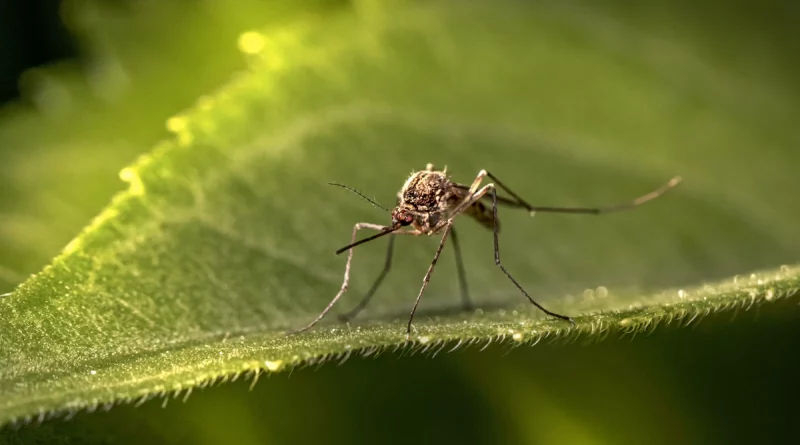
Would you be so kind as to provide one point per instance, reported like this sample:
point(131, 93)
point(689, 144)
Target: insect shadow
point(427, 204)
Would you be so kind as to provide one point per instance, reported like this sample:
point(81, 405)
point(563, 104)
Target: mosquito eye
point(404, 218)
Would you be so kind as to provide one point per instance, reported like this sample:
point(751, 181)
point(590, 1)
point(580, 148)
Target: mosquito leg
point(346, 280)
point(477, 183)
point(427, 278)
point(473, 195)
point(364, 301)
point(497, 256)
point(466, 304)
point(519, 202)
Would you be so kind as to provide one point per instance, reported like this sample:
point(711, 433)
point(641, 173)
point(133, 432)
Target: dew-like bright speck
point(127, 174)
point(252, 42)
point(770, 295)
point(517, 336)
point(176, 124)
point(681, 294)
point(626, 322)
point(136, 186)
point(93, 372)
point(273, 365)
point(424, 339)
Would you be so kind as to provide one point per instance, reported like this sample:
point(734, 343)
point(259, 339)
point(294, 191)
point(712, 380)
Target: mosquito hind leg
point(466, 303)
point(346, 280)
point(519, 202)
point(490, 188)
point(368, 296)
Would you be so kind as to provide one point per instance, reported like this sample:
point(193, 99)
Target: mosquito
point(428, 203)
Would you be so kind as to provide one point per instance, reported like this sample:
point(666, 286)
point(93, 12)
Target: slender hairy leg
point(466, 303)
point(364, 301)
point(490, 188)
point(473, 196)
point(427, 278)
point(519, 202)
point(475, 184)
point(346, 280)
point(497, 256)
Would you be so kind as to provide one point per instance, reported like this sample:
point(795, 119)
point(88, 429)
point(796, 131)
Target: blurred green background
point(80, 120)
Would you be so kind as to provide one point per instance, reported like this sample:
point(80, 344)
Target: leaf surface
point(224, 238)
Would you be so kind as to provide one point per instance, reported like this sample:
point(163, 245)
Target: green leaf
point(80, 124)
point(224, 238)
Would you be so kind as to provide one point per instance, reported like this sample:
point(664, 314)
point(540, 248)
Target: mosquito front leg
point(364, 301)
point(346, 280)
point(427, 277)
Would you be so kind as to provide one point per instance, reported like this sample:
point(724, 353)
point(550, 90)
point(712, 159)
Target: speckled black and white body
point(431, 198)
point(428, 203)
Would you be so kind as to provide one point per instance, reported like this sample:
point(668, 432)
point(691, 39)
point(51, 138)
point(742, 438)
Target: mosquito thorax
point(425, 191)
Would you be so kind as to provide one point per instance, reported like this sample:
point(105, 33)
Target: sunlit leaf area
point(165, 223)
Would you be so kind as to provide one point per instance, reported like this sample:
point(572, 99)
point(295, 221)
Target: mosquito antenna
point(385, 231)
point(359, 194)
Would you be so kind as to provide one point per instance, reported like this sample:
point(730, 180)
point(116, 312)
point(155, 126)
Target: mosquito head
point(401, 217)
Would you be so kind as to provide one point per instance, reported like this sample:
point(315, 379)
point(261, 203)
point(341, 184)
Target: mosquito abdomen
point(482, 214)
